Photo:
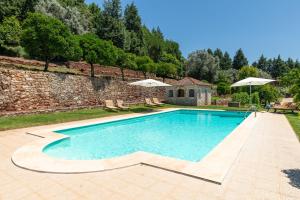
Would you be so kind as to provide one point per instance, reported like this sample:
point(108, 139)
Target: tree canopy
point(45, 37)
point(203, 66)
point(239, 60)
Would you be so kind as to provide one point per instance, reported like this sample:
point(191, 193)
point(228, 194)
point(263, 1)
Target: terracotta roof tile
point(191, 81)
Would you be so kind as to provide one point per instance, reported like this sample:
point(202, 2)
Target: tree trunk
point(46, 65)
point(145, 75)
point(122, 72)
point(163, 79)
point(92, 70)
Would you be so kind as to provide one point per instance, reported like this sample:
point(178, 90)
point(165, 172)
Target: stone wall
point(26, 91)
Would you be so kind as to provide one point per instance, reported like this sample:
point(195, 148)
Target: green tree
point(223, 88)
point(95, 17)
point(203, 66)
point(278, 67)
point(111, 26)
point(10, 8)
point(255, 98)
point(226, 62)
point(209, 51)
point(142, 63)
point(292, 80)
point(135, 42)
point(154, 43)
point(239, 60)
point(113, 8)
point(242, 97)
point(27, 7)
point(290, 63)
point(218, 53)
point(229, 76)
point(166, 70)
point(45, 37)
point(262, 63)
point(69, 15)
point(97, 51)
point(248, 71)
point(10, 31)
point(172, 47)
point(125, 60)
point(268, 94)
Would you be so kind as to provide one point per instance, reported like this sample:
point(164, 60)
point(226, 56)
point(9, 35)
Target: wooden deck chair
point(109, 104)
point(157, 102)
point(149, 102)
point(120, 104)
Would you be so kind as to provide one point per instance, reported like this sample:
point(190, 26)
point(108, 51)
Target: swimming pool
point(182, 134)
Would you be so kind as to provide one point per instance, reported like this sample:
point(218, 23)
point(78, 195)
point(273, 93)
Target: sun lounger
point(120, 104)
point(157, 102)
point(109, 104)
point(286, 106)
point(149, 102)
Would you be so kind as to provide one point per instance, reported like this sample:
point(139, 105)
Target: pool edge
point(31, 157)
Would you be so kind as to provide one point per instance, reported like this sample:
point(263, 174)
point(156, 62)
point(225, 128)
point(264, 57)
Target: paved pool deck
point(267, 167)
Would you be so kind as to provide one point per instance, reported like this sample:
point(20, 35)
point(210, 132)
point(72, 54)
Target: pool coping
point(213, 167)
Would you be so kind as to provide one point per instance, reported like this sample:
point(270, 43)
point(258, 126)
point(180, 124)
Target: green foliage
point(239, 60)
point(278, 68)
point(230, 75)
point(248, 71)
point(17, 8)
point(292, 80)
point(255, 98)
point(142, 63)
point(165, 70)
point(226, 62)
point(111, 27)
point(203, 66)
point(45, 37)
point(134, 40)
point(268, 93)
point(97, 51)
point(154, 43)
point(95, 17)
point(242, 97)
point(262, 63)
point(125, 60)
point(70, 16)
point(171, 47)
point(223, 88)
point(113, 8)
point(10, 31)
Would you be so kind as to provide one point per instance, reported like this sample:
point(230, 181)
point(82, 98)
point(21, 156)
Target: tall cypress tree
point(111, 26)
point(226, 62)
point(262, 63)
point(218, 53)
point(278, 68)
point(209, 51)
point(239, 60)
point(135, 42)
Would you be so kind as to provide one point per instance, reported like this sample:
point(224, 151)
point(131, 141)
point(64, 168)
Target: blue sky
point(270, 27)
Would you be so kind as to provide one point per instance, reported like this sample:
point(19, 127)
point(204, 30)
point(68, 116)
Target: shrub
point(268, 93)
point(223, 88)
point(255, 98)
point(241, 97)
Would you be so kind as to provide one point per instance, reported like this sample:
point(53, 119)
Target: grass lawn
point(294, 120)
point(23, 121)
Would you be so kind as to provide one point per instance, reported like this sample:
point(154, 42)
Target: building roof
point(191, 81)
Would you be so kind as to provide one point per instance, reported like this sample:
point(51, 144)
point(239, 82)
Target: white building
point(190, 92)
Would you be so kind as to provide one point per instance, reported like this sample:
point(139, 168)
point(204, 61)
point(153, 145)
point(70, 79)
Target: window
point(191, 93)
point(171, 93)
point(180, 93)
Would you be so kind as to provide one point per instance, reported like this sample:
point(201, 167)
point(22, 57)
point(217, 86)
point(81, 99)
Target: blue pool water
point(183, 134)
